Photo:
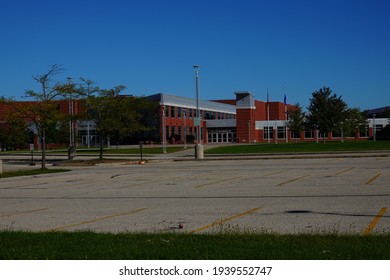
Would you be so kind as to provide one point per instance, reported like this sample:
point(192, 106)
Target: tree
point(326, 111)
point(113, 115)
point(87, 89)
point(44, 113)
point(15, 133)
point(354, 119)
point(149, 120)
point(296, 119)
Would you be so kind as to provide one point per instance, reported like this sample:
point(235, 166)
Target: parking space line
point(148, 183)
point(373, 223)
point(274, 173)
point(98, 219)
point(225, 220)
point(344, 171)
point(292, 180)
point(24, 212)
point(381, 158)
point(216, 182)
point(369, 182)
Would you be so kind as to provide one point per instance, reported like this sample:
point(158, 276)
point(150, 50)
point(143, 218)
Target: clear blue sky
point(150, 46)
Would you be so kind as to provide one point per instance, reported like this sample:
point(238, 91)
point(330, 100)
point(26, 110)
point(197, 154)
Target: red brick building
point(240, 120)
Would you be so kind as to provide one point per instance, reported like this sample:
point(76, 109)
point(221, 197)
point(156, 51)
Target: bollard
point(199, 153)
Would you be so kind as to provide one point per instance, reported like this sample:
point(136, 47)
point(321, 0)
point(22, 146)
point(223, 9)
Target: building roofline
point(180, 101)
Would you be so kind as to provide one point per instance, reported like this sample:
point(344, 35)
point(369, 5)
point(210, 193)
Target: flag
point(285, 99)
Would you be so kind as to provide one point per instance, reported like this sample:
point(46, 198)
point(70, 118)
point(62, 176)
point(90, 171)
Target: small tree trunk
point(43, 165)
point(101, 148)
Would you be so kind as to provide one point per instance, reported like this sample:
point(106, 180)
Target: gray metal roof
point(179, 101)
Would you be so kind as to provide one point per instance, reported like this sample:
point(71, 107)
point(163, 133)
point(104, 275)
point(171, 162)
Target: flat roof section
point(179, 101)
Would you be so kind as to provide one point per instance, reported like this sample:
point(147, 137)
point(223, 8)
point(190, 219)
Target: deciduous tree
point(326, 111)
point(296, 119)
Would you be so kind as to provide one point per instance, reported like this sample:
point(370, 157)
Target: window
point(281, 132)
point(322, 135)
point(172, 112)
point(179, 112)
point(363, 131)
point(179, 131)
point(336, 134)
point(268, 132)
point(309, 134)
point(295, 135)
point(166, 111)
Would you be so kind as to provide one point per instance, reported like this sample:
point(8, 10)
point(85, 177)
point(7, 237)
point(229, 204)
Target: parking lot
point(317, 195)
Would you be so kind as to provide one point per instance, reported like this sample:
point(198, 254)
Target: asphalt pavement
point(282, 193)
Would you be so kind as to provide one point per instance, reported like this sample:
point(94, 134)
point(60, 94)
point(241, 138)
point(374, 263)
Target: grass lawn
point(353, 146)
point(89, 245)
point(95, 151)
point(30, 172)
point(132, 151)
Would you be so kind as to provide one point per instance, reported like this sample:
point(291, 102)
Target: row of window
point(179, 112)
point(180, 130)
point(309, 134)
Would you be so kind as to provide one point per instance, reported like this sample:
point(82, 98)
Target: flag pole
point(285, 112)
point(268, 135)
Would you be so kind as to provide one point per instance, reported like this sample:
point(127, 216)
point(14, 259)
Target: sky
point(288, 47)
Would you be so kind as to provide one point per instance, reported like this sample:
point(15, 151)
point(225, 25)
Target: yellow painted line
point(225, 220)
point(292, 180)
point(381, 158)
point(216, 182)
point(274, 173)
point(98, 219)
point(372, 225)
point(24, 212)
point(343, 171)
point(369, 182)
point(140, 184)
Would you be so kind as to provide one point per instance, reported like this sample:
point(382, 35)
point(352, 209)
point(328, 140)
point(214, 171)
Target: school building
point(240, 120)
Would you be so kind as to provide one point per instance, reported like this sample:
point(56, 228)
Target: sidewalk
point(13, 162)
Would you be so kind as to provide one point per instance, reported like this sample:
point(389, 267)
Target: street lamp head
point(196, 68)
point(70, 79)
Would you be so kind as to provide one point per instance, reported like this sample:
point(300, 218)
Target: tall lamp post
point(71, 127)
point(198, 148)
point(164, 131)
point(374, 126)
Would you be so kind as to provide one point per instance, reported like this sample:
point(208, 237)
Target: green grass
point(331, 147)
point(115, 151)
point(30, 172)
point(95, 151)
point(89, 245)
point(131, 151)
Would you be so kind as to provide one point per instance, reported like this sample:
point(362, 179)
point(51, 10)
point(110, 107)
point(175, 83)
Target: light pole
point(198, 148)
point(164, 131)
point(71, 150)
point(374, 126)
point(185, 127)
